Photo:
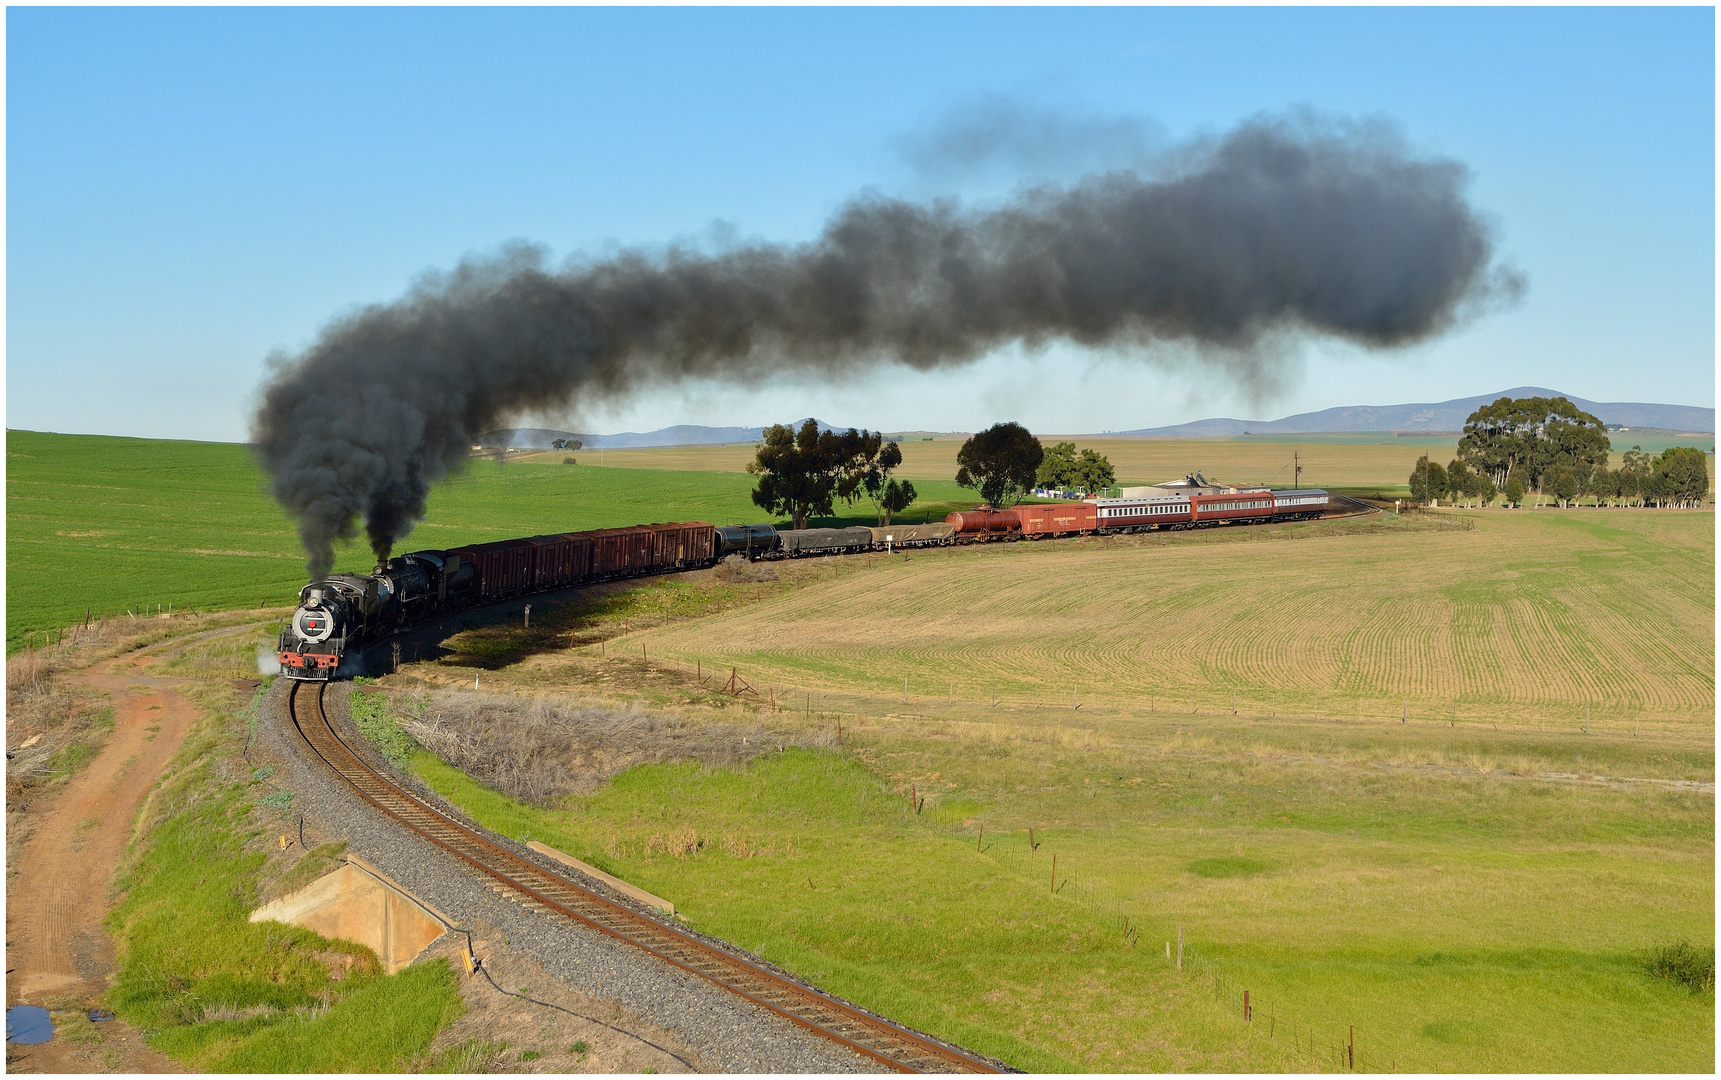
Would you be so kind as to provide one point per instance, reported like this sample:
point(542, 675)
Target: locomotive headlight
point(314, 624)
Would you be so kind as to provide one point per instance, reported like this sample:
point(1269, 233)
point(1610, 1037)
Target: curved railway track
point(870, 1036)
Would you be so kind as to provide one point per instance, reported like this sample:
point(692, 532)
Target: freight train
point(341, 615)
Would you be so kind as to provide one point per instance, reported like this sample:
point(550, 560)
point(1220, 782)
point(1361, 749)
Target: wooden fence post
point(1180, 948)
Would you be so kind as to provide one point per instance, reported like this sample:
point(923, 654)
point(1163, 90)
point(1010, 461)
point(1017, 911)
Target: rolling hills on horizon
point(1437, 416)
point(1442, 416)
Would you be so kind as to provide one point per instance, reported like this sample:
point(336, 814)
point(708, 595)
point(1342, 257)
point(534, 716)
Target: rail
point(870, 1036)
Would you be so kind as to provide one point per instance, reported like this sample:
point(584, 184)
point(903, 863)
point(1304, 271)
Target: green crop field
point(111, 524)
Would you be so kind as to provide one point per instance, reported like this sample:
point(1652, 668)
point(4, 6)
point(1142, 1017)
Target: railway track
point(1351, 507)
point(870, 1036)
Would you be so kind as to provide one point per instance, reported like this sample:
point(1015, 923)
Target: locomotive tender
point(343, 614)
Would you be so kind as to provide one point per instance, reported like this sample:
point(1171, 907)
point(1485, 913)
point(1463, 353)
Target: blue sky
point(190, 190)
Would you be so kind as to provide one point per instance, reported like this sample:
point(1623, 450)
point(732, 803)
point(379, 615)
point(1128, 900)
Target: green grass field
point(1470, 923)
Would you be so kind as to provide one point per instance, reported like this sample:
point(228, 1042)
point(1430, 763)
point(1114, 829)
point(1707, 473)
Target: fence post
point(1351, 1050)
point(1180, 948)
point(1246, 1014)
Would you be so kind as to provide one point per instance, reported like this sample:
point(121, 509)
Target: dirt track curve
point(57, 952)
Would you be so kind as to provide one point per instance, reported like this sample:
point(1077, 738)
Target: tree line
point(1549, 446)
point(803, 473)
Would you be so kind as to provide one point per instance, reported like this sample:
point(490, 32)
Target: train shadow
point(498, 635)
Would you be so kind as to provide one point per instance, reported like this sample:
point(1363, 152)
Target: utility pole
point(1296, 469)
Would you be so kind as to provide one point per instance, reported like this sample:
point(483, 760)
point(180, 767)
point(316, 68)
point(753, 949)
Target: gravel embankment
point(728, 1033)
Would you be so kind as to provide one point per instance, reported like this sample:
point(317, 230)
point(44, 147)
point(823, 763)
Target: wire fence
point(1323, 1045)
point(903, 697)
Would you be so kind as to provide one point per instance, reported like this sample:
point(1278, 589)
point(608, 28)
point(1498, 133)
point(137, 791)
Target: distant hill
point(679, 435)
point(1438, 416)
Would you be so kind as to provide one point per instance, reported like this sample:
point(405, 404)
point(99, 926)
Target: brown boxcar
point(1056, 519)
point(682, 543)
point(504, 568)
point(621, 552)
point(560, 559)
point(984, 522)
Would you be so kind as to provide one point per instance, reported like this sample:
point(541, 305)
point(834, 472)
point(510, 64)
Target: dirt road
point(57, 953)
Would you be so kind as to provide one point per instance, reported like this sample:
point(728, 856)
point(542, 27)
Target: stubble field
point(1523, 618)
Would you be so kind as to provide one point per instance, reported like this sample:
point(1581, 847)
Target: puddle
point(28, 1024)
point(98, 1016)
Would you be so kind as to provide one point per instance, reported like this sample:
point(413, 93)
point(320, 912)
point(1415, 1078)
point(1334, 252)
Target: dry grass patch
point(539, 749)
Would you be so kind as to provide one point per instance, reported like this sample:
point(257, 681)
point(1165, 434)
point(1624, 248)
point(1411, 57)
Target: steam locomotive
point(341, 615)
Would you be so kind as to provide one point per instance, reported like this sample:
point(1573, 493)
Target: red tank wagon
point(985, 523)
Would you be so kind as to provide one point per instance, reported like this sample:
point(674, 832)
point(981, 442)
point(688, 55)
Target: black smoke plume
point(1281, 227)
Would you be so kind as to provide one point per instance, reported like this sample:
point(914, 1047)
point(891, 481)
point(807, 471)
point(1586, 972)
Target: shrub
point(1684, 963)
